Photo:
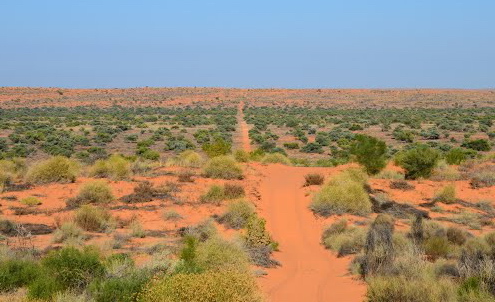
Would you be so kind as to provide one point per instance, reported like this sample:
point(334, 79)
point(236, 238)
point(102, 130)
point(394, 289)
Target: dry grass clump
point(344, 239)
point(483, 177)
point(202, 231)
point(344, 193)
point(69, 232)
point(11, 170)
point(401, 185)
point(216, 193)
point(218, 254)
point(116, 167)
point(218, 286)
point(390, 174)
point(93, 219)
point(98, 192)
point(237, 214)
point(259, 243)
point(445, 172)
point(379, 252)
point(172, 216)
point(146, 192)
point(223, 167)
point(241, 156)
point(400, 288)
point(276, 158)
point(446, 195)
point(186, 159)
point(313, 179)
point(137, 229)
point(56, 169)
point(31, 201)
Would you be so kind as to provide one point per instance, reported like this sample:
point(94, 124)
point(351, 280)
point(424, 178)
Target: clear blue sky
point(229, 43)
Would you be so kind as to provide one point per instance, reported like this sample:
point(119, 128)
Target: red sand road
point(308, 271)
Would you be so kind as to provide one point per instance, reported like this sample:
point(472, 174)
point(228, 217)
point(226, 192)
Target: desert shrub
point(478, 145)
point(44, 289)
point(172, 216)
point(219, 286)
point(379, 252)
point(122, 288)
point(233, 191)
point(98, 192)
point(185, 176)
point(56, 169)
point(145, 192)
point(370, 152)
point(483, 177)
point(11, 170)
point(275, 158)
point(390, 174)
point(72, 268)
point(291, 146)
point(141, 166)
point(68, 232)
point(446, 195)
point(224, 167)
point(419, 162)
point(115, 167)
point(456, 156)
point(217, 148)
point(202, 231)
point(399, 288)
point(457, 236)
point(31, 201)
point(186, 159)
point(237, 214)
point(343, 239)
point(241, 156)
point(259, 243)
point(137, 229)
point(401, 185)
point(473, 220)
point(437, 247)
point(313, 179)
point(444, 172)
point(16, 273)
point(343, 194)
point(215, 195)
point(92, 218)
point(219, 254)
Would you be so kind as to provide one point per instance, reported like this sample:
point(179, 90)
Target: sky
point(248, 44)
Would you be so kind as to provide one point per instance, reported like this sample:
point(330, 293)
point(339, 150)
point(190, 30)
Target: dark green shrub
point(419, 162)
point(44, 287)
point(17, 273)
point(370, 152)
point(73, 268)
point(478, 145)
point(455, 156)
point(123, 289)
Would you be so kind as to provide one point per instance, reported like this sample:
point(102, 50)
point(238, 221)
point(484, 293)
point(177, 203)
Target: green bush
point(370, 152)
point(437, 247)
point(456, 156)
point(224, 167)
point(241, 156)
point(343, 194)
point(419, 162)
point(57, 169)
point(15, 273)
point(44, 288)
point(73, 268)
point(478, 145)
point(123, 288)
point(343, 239)
point(93, 219)
point(217, 148)
point(237, 214)
point(218, 286)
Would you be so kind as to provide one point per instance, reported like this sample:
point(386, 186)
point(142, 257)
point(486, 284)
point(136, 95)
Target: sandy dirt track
point(308, 271)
